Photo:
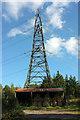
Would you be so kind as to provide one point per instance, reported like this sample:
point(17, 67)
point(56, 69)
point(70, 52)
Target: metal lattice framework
point(38, 68)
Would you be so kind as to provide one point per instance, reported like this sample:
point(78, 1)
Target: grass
point(73, 105)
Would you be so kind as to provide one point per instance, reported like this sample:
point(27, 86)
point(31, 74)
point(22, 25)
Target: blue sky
point(63, 22)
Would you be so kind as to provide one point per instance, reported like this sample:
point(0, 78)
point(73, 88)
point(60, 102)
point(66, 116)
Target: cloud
point(13, 32)
point(14, 9)
point(56, 45)
point(19, 29)
point(55, 12)
point(5, 17)
point(35, 5)
point(72, 46)
point(41, 1)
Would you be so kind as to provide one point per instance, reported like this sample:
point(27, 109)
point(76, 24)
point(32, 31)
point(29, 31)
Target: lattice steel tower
point(38, 68)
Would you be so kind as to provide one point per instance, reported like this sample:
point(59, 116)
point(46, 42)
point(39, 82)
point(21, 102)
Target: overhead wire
point(10, 74)
point(23, 57)
point(22, 23)
point(12, 58)
point(42, 53)
point(45, 18)
point(17, 42)
point(51, 31)
point(26, 52)
point(27, 30)
point(24, 32)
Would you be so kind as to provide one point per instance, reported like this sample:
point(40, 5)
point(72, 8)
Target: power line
point(15, 57)
point(49, 31)
point(50, 23)
point(45, 18)
point(27, 30)
point(11, 61)
point(15, 60)
point(24, 32)
point(22, 23)
point(17, 42)
point(10, 74)
point(42, 53)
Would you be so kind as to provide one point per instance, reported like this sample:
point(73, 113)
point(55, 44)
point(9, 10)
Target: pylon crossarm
point(37, 77)
point(39, 62)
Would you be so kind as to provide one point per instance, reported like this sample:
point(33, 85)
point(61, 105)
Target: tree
point(72, 85)
point(8, 98)
point(58, 80)
point(45, 83)
point(66, 90)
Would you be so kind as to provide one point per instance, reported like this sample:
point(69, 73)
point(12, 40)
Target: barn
point(40, 97)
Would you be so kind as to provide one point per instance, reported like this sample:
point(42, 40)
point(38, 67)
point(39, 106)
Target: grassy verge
point(73, 105)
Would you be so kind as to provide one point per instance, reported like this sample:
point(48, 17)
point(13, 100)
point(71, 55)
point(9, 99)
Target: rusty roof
point(39, 89)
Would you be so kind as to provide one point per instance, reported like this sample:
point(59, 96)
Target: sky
point(79, 42)
point(60, 30)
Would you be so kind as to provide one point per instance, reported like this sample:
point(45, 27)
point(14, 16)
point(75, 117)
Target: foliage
point(8, 98)
point(70, 86)
point(13, 111)
point(34, 86)
point(15, 114)
point(10, 106)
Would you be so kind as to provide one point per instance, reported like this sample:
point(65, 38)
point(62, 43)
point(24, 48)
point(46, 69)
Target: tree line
point(11, 107)
point(69, 84)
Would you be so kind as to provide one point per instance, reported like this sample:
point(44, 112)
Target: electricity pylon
point(38, 68)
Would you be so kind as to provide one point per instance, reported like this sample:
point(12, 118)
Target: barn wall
point(40, 98)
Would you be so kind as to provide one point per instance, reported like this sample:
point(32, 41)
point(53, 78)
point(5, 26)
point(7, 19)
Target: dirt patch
point(50, 112)
point(51, 115)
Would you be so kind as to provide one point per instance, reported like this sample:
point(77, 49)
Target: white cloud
point(13, 32)
point(56, 45)
point(72, 46)
point(19, 30)
point(55, 12)
point(5, 17)
point(35, 5)
point(14, 8)
point(42, 0)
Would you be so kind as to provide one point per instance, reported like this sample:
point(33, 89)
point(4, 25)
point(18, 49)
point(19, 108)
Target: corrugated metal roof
point(39, 90)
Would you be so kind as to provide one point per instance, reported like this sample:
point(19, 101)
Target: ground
point(68, 112)
point(51, 115)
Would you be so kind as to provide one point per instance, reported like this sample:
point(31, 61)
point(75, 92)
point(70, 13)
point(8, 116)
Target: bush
point(14, 115)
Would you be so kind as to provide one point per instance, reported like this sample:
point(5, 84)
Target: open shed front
point(40, 97)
